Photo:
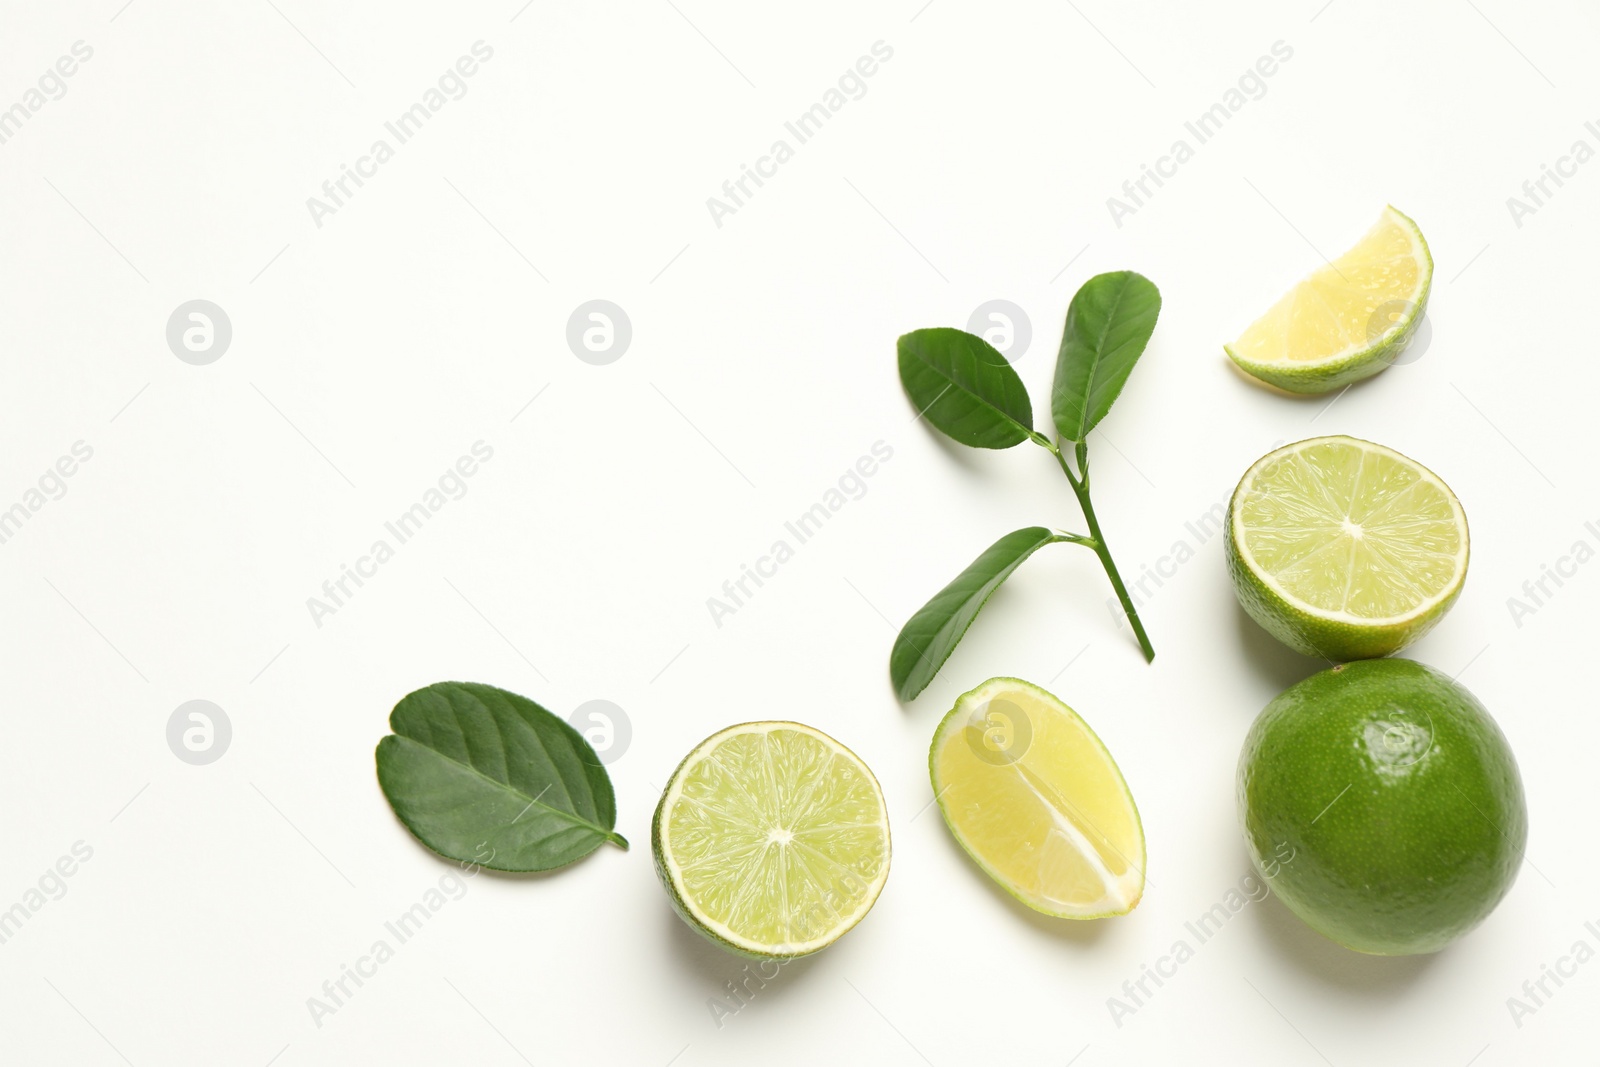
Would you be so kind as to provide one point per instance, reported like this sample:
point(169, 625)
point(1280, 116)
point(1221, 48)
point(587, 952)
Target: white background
point(369, 353)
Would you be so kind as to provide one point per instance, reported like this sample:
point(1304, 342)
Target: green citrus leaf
point(965, 388)
point(472, 770)
point(1108, 325)
point(927, 640)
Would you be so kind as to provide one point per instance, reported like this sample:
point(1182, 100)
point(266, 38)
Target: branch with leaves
point(969, 392)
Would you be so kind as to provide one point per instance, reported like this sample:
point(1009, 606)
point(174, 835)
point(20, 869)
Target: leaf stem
point(1097, 541)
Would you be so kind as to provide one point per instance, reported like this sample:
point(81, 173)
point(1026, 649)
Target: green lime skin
point(1383, 805)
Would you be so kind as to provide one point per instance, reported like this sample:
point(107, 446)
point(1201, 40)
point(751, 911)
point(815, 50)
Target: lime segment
point(1035, 799)
point(1349, 319)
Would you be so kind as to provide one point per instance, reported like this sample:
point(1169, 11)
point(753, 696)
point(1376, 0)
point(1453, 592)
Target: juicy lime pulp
point(1344, 548)
point(1384, 806)
point(1032, 795)
point(772, 839)
point(1349, 319)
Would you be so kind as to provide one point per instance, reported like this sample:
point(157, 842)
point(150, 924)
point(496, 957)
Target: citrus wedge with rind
point(1033, 796)
point(1349, 319)
point(1345, 549)
point(772, 839)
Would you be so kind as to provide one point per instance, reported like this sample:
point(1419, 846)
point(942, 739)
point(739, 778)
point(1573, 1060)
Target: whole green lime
point(1383, 805)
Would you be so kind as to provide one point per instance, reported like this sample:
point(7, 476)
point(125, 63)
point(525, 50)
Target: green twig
point(1096, 539)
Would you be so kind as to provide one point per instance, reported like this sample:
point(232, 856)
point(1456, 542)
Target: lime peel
point(1383, 805)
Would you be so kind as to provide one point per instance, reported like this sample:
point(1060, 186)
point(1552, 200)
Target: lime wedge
point(1036, 800)
point(1345, 549)
point(772, 839)
point(1349, 320)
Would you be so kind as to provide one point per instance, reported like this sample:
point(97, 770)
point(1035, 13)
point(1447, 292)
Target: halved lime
point(1345, 549)
point(1349, 319)
point(1036, 800)
point(772, 839)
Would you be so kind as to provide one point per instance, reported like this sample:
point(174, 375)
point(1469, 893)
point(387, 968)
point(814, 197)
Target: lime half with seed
point(1345, 549)
point(772, 839)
